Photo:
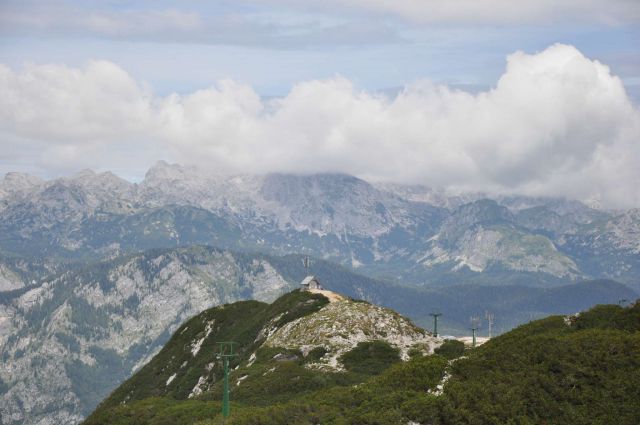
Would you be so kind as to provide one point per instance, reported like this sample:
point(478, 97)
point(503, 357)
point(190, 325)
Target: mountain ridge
point(578, 369)
point(381, 230)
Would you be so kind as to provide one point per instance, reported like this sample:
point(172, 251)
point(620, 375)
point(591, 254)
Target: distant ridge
point(409, 234)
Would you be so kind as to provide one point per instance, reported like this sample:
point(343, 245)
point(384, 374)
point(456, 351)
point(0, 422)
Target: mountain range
point(408, 234)
point(96, 272)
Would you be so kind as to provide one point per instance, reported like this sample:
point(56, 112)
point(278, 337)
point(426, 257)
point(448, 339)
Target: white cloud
point(556, 123)
point(61, 104)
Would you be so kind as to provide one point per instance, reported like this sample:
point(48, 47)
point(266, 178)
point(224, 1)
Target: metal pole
point(225, 394)
point(226, 352)
point(474, 336)
point(435, 325)
point(435, 322)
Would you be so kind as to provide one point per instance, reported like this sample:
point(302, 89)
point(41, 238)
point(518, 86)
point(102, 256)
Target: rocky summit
point(341, 325)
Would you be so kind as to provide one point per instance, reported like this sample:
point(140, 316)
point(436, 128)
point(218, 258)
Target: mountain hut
point(310, 282)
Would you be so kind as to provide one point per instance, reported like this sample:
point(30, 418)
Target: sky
point(528, 97)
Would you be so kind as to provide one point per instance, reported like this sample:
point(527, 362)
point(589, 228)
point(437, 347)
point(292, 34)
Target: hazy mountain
point(483, 233)
point(411, 234)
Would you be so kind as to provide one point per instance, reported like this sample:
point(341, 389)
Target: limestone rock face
point(92, 328)
point(339, 326)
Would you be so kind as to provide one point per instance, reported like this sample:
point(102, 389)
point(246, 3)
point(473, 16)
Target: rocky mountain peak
point(163, 171)
point(340, 326)
point(330, 203)
point(427, 195)
point(483, 211)
point(99, 182)
point(83, 174)
point(18, 182)
point(296, 188)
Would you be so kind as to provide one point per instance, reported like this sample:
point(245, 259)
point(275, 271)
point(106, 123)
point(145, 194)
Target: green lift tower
point(435, 322)
point(474, 329)
point(225, 352)
point(475, 325)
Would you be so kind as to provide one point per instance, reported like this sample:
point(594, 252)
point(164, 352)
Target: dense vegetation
point(370, 358)
point(451, 349)
point(585, 370)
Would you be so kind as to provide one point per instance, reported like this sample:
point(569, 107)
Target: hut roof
point(307, 280)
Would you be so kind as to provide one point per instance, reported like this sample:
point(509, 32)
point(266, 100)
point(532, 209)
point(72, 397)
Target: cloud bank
point(556, 123)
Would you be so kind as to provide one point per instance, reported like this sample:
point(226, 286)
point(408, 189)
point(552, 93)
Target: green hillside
point(272, 365)
point(583, 369)
point(240, 322)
